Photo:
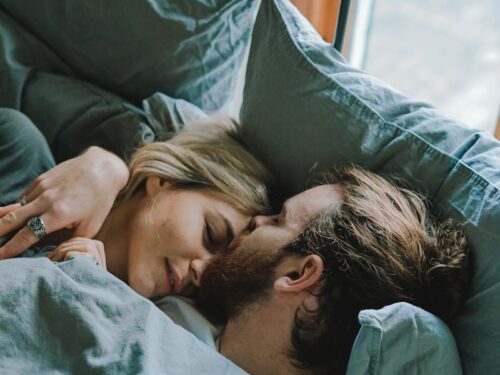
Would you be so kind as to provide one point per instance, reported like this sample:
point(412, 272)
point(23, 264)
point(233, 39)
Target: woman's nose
point(196, 269)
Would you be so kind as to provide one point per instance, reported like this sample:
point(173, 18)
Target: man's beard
point(234, 280)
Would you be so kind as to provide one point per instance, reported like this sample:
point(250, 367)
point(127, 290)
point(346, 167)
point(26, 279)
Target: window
point(444, 52)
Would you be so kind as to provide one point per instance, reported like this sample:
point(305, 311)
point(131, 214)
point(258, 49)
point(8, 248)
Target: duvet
point(74, 318)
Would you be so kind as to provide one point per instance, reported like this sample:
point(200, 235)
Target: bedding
point(18, 139)
point(92, 116)
point(403, 339)
point(74, 318)
point(428, 343)
point(72, 114)
point(305, 108)
point(186, 49)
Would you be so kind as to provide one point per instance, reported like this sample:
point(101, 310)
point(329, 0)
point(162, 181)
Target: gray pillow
point(403, 339)
point(304, 106)
point(168, 115)
point(73, 114)
point(190, 50)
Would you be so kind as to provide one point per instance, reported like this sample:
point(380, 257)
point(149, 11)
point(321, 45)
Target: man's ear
point(154, 184)
point(296, 274)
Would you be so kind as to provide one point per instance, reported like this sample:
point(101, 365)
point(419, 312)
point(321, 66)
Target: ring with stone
point(23, 200)
point(95, 261)
point(37, 226)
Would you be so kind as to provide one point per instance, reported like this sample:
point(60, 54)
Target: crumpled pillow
point(73, 114)
point(190, 50)
point(403, 339)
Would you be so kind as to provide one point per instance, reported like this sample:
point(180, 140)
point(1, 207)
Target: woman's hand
point(80, 246)
point(6, 209)
point(76, 194)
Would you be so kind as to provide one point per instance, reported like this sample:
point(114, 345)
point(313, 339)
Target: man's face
point(246, 271)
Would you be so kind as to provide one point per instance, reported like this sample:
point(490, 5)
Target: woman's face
point(175, 231)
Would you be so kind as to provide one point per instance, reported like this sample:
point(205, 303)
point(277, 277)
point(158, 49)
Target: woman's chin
point(144, 287)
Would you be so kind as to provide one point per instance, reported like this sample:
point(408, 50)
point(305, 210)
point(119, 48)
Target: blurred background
point(444, 52)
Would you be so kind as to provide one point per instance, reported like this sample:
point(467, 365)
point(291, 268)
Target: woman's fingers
point(6, 209)
point(72, 253)
point(61, 253)
point(80, 246)
point(43, 188)
point(76, 194)
point(25, 237)
point(15, 218)
point(36, 188)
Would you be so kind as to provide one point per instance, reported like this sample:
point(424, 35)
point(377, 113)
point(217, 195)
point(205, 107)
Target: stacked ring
point(23, 200)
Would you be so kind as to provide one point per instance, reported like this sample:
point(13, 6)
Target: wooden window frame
point(323, 15)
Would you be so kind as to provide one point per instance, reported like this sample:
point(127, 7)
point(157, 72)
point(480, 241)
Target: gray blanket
point(74, 318)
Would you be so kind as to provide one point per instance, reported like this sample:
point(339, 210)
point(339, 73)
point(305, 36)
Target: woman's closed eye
point(214, 239)
point(208, 233)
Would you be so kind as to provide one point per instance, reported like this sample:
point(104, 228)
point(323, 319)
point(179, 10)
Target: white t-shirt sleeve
point(183, 312)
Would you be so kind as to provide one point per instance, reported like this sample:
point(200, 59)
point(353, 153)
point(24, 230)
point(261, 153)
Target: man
point(293, 284)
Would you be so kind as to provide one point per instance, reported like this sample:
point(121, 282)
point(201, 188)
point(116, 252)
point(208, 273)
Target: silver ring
point(23, 200)
point(37, 226)
point(95, 261)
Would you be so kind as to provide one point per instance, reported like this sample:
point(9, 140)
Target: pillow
point(303, 106)
point(168, 115)
point(186, 49)
point(403, 339)
point(73, 114)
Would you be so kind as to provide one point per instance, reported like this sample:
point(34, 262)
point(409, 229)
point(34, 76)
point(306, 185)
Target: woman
point(185, 200)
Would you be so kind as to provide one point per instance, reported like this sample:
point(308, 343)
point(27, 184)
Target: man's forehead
point(310, 201)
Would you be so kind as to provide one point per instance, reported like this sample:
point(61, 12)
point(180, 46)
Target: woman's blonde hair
point(206, 153)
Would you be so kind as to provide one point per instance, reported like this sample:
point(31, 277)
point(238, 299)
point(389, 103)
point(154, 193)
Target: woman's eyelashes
point(209, 233)
point(213, 237)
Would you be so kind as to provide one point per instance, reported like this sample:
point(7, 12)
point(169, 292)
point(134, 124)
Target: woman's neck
point(114, 234)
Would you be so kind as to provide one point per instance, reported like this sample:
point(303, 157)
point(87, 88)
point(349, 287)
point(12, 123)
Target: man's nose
point(261, 220)
point(196, 269)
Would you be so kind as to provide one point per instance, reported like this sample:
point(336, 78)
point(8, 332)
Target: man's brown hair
point(380, 247)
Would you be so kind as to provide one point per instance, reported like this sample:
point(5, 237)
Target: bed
point(121, 73)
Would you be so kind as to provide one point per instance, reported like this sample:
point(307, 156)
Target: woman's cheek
point(141, 281)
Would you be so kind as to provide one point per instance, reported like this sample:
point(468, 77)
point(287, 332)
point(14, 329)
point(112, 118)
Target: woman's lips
point(172, 280)
point(167, 278)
